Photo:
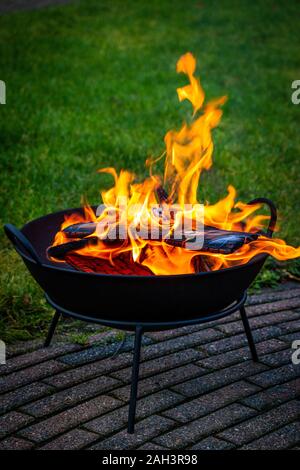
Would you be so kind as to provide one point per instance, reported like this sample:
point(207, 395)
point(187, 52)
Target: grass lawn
point(93, 84)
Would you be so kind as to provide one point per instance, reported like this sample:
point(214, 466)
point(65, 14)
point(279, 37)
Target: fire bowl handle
point(273, 210)
point(20, 241)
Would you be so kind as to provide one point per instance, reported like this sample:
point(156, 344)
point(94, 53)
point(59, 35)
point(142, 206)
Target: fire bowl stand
point(141, 327)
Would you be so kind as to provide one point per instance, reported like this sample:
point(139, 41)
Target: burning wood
point(212, 241)
point(60, 251)
point(225, 242)
point(80, 230)
point(121, 265)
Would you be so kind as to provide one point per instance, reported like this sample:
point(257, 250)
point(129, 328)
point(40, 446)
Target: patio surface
point(198, 387)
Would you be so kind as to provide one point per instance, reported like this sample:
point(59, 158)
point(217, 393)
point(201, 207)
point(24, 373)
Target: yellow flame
point(188, 152)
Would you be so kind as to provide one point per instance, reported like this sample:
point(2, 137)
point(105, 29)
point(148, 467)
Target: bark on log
point(60, 251)
point(122, 264)
point(80, 230)
point(211, 240)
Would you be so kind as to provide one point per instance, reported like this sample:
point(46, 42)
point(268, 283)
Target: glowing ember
point(138, 220)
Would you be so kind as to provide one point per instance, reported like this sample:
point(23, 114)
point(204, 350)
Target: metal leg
point(134, 378)
point(52, 329)
point(249, 334)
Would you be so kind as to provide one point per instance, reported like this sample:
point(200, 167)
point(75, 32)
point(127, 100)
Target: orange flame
point(188, 152)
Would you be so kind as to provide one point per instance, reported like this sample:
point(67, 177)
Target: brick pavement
point(198, 387)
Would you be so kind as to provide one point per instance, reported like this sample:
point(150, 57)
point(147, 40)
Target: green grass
point(93, 84)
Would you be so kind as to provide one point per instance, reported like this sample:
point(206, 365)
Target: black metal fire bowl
point(122, 297)
point(136, 303)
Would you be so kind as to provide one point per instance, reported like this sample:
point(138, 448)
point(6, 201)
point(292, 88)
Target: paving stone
point(274, 396)
point(146, 406)
point(30, 374)
point(163, 335)
point(94, 369)
point(235, 356)
point(278, 358)
point(285, 304)
point(151, 446)
point(159, 381)
point(214, 422)
point(262, 424)
point(217, 379)
point(283, 438)
point(290, 337)
point(37, 356)
point(265, 308)
point(272, 296)
point(73, 440)
point(275, 376)
point(154, 366)
point(212, 443)
point(229, 358)
point(157, 402)
point(258, 322)
point(23, 395)
point(182, 342)
point(100, 352)
point(103, 336)
point(234, 342)
point(68, 419)
point(22, 347)
point(15, 443)
point(269, 346)
point(144, 431)
point(210, 402)
point(290, 326)
point(13, 421)
point(70, 396)
point(265, 333)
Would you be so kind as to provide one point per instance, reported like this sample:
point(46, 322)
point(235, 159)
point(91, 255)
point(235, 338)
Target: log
point(122, 264)
point(215, 241)
point(60, 251)
point(80, 230)
point(222, 241)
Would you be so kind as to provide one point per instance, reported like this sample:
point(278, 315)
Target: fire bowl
point(130, 298)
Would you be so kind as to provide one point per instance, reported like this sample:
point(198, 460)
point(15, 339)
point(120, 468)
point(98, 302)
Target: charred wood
point(60, 251)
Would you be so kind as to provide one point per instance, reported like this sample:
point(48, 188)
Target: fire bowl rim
point(57, 265)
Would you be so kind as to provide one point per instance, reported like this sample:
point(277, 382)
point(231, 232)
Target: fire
point(163, 203)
